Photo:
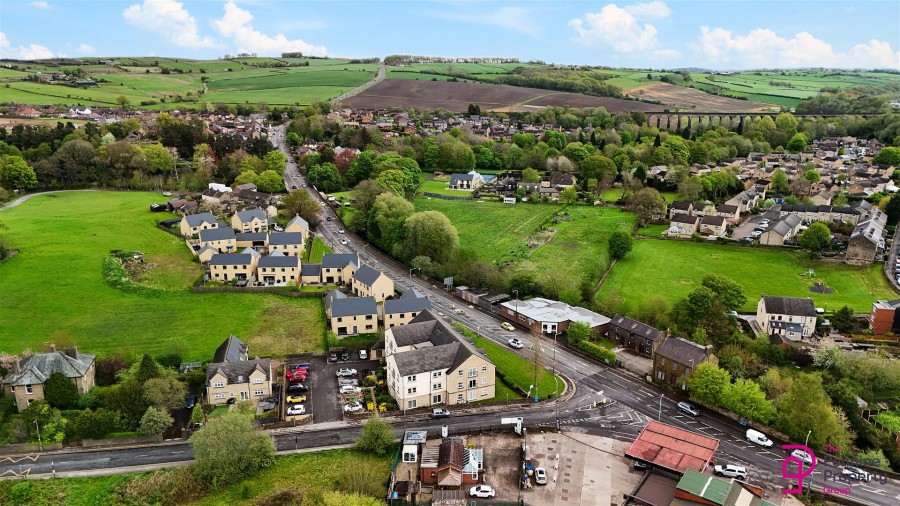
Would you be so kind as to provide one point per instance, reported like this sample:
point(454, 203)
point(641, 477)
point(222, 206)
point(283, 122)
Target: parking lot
point(323, 400)
point(745, 229)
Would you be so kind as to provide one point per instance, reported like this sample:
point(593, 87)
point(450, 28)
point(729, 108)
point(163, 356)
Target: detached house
point(787, 317)
point(451, 464)
point(401, 311)
point(298, 224)
point(348, 316)
point(367, 282)
point(276, 268)
point(683, 225)
point(470, 181)
point(288, 243)
point(634, 335)
point(251, 220)
point(192, 224)
point(221, 239)
point(25, 381)
point(429, 362)
point(712, 226)
point(233, 375)
point(225, 268)
point(338, 268)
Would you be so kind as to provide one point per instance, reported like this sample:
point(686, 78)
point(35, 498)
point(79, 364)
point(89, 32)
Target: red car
point(296, 375)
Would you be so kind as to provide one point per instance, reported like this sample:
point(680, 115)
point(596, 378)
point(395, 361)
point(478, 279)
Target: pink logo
point(801, 456)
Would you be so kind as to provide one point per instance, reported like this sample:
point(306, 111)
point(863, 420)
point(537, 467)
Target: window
point(461, 372)
point(28, 390)
point(484, 368)
point(340, 319)
point(472, 394)
point(459, 386)
point(257, 381)
point(437, 386)
point(411, 378)
point(473, 372)
point(410, 404)
point(220, 396)
point(662, 360)
point(436, 374)
point(484, 380)
point(410, 391)
point(368, 317)
point(459, 397)
point(484, 392)
point(473, 383)
point(218, 384)
point(402, 315)
point(436, 399)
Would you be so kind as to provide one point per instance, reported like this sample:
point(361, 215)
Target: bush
point(377, 437)
point(282, 498)
point(598, 352)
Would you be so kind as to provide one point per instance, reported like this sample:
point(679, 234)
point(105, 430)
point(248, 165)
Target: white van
point(755, 436)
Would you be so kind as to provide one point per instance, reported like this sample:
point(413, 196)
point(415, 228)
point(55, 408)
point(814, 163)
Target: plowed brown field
point(689, 98)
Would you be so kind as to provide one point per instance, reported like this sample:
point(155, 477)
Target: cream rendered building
point(367, 282)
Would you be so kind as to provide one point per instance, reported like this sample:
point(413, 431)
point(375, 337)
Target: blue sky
point(724, 34)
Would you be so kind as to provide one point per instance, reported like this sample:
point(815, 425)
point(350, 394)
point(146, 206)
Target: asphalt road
point(633, 402)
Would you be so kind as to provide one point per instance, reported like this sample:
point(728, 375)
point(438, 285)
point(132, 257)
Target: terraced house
point(220, 239)
point(278, 269)
point(251, 220)
point(401, 311)
point(224, 268)
point(288, 243)
point(429, 363)
point(367, 282)
point(192, 224)
point(348, 316)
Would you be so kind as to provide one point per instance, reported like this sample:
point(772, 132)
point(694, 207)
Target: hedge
point(598, 352)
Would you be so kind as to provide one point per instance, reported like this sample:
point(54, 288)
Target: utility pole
point(659, 413)
point(40, 444)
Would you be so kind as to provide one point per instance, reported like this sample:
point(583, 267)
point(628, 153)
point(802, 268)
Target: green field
point(317, 250)
point(440, 188)
point(54, 289)
point(229, 81)
point(614, 194)
point(672, 269)
point(315, 472)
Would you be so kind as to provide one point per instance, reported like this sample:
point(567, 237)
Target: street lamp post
point(806, 443)
point(40, 444)
point(659, 413)
point(410, 273)
point(516, 292)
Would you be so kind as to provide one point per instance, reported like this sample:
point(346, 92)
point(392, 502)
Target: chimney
point(17, 365)
point(72, 352)
point(52, 347)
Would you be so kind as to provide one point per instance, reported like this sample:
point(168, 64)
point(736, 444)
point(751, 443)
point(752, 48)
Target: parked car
point(353, 408)
point(345, 355)
point(540, 476)
point(363, 355)
point(640, 465)
point(731, 471)
point(855, 473)
point(296, 409)
point(346, 372)
point(332, 356)
point(482, 491)
point(688, 409)
point(757, 437)
point(507, 326)
point(298, 375)
point(804, 457)
point(348, 381)
point(347, 389)
point(344, 242)
point(291, 399)
point(340, 231)
point(190, 401)
point(516, 343)
point(297, 387)
point(302, 365)
point(440, 413)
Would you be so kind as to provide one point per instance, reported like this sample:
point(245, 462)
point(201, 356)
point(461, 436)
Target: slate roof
point(285, 238)
point(681, 205)
point(340, 260)
point(406, 305)
point(456, 178)
point(299, 221)
point(440, 346)
point(683, 351)
point(251, 236)
point(239, 372)
point(715, 221)
point(216, 234)
point(366, 275)
point(224, 259)
point(37, 368)
point(635, 327)
point(725, 208)
point(353, 306)
point(801, 208)
point(231, 350)
point(310, 269)
point(248, 215)
point(784, 226)
point(789, 306)
point(195, 220)
point(684, 218)
point(279, 259)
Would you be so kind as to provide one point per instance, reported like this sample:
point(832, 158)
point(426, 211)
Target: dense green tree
point(598, 167)
point(155, 421)
point(786, 122)
point(806, 407)
point(246, 177)
point(843, 319)
point(779, 181)
point(816, 238)
point(159, 158)
point(555, 140)
point(430, 233)
point(165, 393)
point(727, 291)
point(270, 182)
point(147, 369)
point(16, 174)
point(60, 391)
point(678, 148)
point(577, 332)
point(94, 424)
point(745, 399)
point(299, 203)
point(407, 166)
point(888, 156)
point(40, 416)
point(229, 449)
point(431, 155)
point(389, 213)
point(325, 177)
point(647, 204)
point(708, 382)
point(377, 437)
point(620, 244)
point(275, 160)
point(892, 209)
point(457, 156)
point(812, 175)
point(531, 176)
point(362, 168)
point(797, 143)
point(394, 181)
point(293, 139)
point(568, 195)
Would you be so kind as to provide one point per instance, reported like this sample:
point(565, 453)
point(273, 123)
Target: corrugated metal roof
point(673, 448)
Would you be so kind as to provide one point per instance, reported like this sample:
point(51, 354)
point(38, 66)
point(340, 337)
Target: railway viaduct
point(677, 121)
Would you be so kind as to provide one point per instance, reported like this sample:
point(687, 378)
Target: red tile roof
point(673, 448)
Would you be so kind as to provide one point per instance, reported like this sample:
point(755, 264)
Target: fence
point(25, 448)
point(256, 289)
point(169, 230)
point(444, 197)
point(124, 441)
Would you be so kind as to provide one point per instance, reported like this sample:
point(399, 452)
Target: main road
point(633, 402)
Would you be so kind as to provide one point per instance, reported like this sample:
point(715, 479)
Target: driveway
point(746, 228)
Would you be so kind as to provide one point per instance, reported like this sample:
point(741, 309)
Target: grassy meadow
point(54, 289)
point(672, 269)
point(228, 81)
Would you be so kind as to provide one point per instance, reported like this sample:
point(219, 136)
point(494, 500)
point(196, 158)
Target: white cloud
point(169, 19)
point(235, 24)
point(86, 49)
point(510, 17)
point(40, 5)
point(763, 48)
point(621, 30)
point(29, 52)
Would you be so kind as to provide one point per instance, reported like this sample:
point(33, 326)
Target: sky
point(722, 35)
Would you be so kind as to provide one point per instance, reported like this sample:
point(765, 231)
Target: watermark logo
point(801, 456)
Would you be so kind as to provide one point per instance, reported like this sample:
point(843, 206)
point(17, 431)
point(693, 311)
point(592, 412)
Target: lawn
point(441, 188)
point(317, 250)
point(54, 289)
point(614, 194)
point(517, 371)
point(309, 473)
point(672, 269)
